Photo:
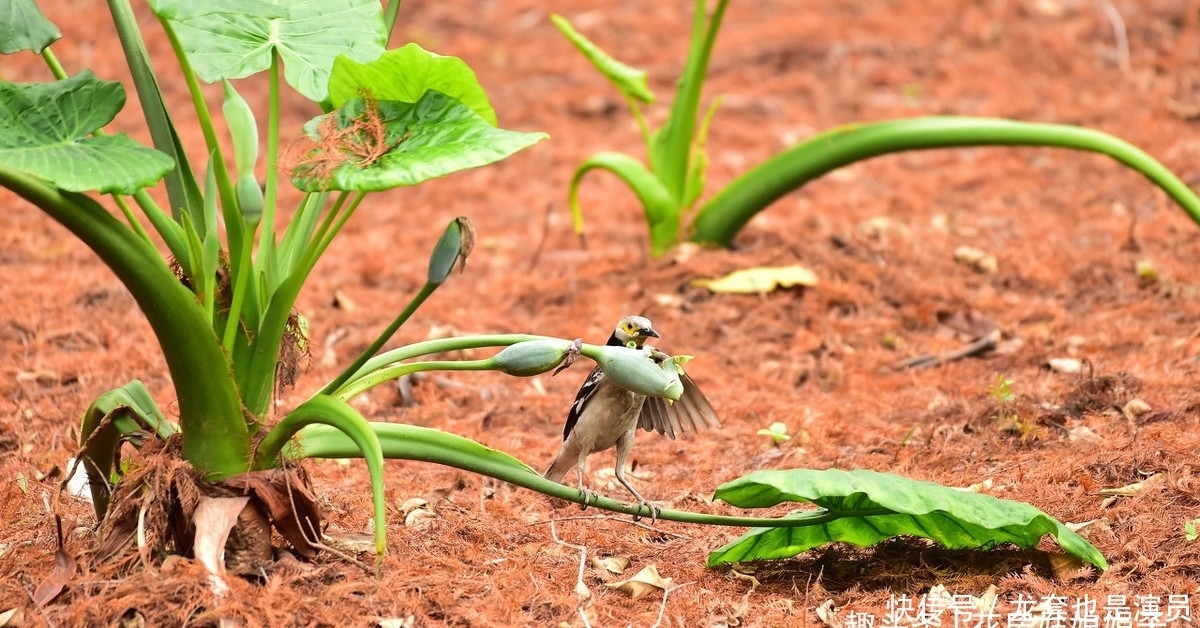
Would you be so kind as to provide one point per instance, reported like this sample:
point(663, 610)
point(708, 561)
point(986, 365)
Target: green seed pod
point(637, 371)
point(250, 198)
point(243, 129)
point(532, 357)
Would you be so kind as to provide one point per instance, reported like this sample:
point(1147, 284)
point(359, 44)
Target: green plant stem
point(52, 62)
point(410, 442)
point(234, 233)
point(725, 214)
point(130, 218)
point(439, 345)
point(389, 15)
point(259, 377)
point(215, 438)
point(266, 245)
point(382, 339)
point(162, 132)
point(670, 152)
point(396, 371)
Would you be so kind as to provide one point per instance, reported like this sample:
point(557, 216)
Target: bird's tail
point(558, 470)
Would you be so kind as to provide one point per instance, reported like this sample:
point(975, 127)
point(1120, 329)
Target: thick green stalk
point(725, 214)
point(410, 442)
point(215, 438)
point(670, 148)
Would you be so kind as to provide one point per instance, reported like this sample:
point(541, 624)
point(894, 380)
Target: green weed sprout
point(669, 185)
point(777, 432)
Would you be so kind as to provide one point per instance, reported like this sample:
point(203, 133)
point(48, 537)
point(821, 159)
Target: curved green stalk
point(725, 214)
point(215, 438)
point(355, 388)
point(346, 421)
point(662, 210)
point(410, 442)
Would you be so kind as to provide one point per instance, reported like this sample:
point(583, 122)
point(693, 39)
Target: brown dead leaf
point(64, 570)
point(643, 583)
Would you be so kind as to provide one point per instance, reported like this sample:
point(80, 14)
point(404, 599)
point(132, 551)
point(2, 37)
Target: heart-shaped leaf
point(237, 42)
point(45, 130)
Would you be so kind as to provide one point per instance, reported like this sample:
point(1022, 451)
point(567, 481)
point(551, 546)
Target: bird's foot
point(654, 512)
point(588, 496)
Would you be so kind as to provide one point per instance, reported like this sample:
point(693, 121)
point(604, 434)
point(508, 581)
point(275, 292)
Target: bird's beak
point(650, 333)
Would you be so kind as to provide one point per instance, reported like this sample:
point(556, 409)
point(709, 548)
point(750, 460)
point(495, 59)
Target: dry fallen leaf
point(643, 583)
point(64, 570)
point(612, 564)
point(760, 280)
point(1129, 490)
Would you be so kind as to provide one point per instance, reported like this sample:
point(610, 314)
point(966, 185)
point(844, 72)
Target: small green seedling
point(1189, 530)
point(777, 432)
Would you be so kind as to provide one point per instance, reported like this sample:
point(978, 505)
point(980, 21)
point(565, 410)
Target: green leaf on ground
point(235, 42)
point(760, 280)
point(865, 507)
point(369, 145)
point(46, 132)
point(23, 27)
point(405, 74)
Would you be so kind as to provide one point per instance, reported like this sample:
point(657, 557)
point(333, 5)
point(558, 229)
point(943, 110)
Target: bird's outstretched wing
point(690, 415)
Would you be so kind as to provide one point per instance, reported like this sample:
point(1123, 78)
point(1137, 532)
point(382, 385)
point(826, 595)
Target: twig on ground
point(662, 608)
point(581, 590)
point(313, 536)
point(979, 347)
point(1118, 26)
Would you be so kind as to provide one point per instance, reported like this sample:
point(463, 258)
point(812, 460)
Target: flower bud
point(637, 371)
point(531, 357)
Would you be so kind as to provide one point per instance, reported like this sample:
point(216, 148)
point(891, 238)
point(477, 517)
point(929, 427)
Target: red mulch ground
point(1066, 229)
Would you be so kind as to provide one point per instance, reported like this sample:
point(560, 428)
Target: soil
point(1067, 230)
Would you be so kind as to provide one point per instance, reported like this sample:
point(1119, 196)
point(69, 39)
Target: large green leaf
point(232, 44)
point(378, 145)
point(45, 127)
point(865, 507)
point(405, 74)
point(23, 27)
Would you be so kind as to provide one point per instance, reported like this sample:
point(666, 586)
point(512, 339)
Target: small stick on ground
point(662, 608)
point(977, 348)
point(581, 590)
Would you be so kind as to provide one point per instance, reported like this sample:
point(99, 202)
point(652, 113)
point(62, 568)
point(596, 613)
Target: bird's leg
point(624, 446)
point(588, 495)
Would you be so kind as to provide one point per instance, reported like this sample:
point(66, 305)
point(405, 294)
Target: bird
point(604, 416)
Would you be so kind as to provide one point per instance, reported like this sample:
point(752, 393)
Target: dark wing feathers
point(690, 415)
point(586, 391)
